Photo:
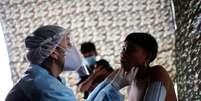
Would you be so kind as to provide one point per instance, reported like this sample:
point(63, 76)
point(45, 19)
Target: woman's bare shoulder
point(158, 73)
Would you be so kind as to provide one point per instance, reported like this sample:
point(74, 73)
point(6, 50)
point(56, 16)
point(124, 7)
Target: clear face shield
point(73, 60)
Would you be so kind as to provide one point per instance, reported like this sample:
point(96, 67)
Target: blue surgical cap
point(42, 41)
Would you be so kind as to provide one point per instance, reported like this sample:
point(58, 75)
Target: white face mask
point(72, 59)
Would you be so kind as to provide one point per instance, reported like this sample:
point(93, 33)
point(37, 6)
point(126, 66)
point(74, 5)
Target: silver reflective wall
point(188, 49)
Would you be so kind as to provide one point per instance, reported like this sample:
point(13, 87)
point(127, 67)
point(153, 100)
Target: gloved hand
point(123, 78)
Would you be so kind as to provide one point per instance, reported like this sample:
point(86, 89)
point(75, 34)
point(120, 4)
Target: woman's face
point(132, 55)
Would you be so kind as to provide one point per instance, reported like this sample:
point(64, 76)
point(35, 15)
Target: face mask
point(72, 59)
point(89, 61)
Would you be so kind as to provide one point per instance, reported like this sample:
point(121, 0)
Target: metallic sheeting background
point(188, 49)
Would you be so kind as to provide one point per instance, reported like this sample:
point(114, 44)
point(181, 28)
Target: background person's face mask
point(89, 61)
point(72, 59)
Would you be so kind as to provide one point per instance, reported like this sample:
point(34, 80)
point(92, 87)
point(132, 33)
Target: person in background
point(88, 50)
point(50, 52)
point(87, 83)
point(146, 83)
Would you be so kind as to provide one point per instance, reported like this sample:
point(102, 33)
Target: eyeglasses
point(64, 49)
point(129, 49)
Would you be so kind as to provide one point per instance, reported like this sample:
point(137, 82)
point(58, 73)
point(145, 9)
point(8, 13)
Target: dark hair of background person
point(105, 64)
point(87, 47)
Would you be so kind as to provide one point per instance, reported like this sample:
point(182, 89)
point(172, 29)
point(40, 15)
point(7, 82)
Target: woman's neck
point(53, 69)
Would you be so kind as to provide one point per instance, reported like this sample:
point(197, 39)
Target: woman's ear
point(148, 57)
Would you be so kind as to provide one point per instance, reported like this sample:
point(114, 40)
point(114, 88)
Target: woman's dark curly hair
point(146, 41)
